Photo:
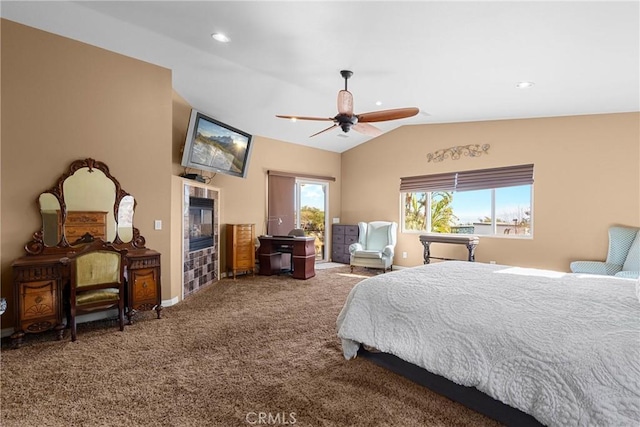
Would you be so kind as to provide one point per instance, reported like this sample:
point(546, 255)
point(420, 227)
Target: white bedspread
point(564, 348)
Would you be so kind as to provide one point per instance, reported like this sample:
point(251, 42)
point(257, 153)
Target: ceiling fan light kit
point(346, 120)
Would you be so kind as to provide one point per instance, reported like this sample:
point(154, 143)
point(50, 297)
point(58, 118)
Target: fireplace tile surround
point(200, 267)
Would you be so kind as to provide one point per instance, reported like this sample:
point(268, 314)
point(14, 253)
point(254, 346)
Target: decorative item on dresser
point(241, 248)
point(86, 203)
point(342, 235)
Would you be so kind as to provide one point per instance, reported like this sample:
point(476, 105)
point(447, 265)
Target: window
point(482, 202)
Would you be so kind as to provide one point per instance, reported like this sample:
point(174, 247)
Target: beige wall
point(62, 101)
point(243, 200)
point(587, 177)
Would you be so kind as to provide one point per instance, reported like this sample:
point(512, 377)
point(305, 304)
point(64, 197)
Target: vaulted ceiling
point(455, 61)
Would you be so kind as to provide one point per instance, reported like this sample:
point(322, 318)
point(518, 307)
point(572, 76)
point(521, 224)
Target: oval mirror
point(89, 196)
point(125, 219)
point(51, 220)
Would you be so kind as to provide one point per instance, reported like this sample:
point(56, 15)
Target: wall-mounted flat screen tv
point(216, 147)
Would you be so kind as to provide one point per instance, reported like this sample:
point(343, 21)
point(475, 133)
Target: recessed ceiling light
point(378, 102)
point(220, 37)
point(524, 85)
point(293, 119)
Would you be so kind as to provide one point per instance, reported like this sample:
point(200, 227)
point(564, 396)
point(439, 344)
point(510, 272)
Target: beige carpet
point(230, 352)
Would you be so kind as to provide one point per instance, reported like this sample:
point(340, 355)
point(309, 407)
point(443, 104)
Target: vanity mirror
point(86, 203)
point(86, 199)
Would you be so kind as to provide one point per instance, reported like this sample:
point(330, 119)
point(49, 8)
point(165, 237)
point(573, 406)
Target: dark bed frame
point(468, 396)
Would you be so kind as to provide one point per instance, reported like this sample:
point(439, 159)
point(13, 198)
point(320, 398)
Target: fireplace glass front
point(200, 223)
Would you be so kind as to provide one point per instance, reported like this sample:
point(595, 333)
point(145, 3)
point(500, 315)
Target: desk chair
point(296, 232)
point(97, 281)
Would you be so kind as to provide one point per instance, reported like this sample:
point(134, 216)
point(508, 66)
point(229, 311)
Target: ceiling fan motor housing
point(345, 122)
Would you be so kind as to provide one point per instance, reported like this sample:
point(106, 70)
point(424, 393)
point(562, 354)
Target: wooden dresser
point(241, 255)
point(342, 235)
point(78, 223)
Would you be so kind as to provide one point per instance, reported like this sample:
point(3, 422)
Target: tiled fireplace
point(201, 234)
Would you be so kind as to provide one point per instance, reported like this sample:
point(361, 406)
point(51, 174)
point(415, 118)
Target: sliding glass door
point(312, 198)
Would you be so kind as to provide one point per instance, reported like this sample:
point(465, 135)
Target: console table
point(470, 241)
point(302, 250)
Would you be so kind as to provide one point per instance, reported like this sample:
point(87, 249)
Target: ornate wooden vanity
point(87, 202)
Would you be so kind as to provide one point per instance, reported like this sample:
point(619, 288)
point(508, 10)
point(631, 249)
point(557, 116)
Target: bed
point(562, 348)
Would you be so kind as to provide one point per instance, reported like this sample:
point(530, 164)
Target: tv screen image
point(216, 147)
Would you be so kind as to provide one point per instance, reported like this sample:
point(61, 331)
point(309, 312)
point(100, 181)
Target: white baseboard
point(170, 302)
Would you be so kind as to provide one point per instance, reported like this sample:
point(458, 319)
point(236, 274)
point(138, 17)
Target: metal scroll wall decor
point(471, 150)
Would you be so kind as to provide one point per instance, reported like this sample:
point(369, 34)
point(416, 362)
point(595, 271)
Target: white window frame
point(493, 217)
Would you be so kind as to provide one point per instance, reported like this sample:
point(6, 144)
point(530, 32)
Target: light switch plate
point(157, 225)
point(336, 220)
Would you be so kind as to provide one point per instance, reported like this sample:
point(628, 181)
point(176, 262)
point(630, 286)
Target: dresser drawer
point(351, 230)
point(73, 232)
point(87, 218)
point(338, 238)
point(339, 229)
point(342, 258)
point(38, 300)
point(144, 288)
point(350, 239)
point(339, 249)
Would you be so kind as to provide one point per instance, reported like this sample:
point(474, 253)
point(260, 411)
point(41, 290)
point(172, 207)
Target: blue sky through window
point(312, 195)
point(511, 202)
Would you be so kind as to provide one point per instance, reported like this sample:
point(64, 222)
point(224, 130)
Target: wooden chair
point(97, 281)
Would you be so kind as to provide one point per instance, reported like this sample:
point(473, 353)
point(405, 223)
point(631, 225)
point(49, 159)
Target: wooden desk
point(303, 253)
point(469, 240)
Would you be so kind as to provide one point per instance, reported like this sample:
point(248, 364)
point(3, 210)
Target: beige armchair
point(375, 246)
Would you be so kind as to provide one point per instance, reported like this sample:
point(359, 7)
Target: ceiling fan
point(346, 120)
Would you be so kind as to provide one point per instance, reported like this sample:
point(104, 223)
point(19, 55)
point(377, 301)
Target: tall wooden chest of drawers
point(342, 235)
point(241, 250)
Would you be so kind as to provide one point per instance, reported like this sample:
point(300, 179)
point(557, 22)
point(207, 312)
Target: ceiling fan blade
point(367, 129)
point(322, 131)
point(324, 119)
point(381, 116)
point(345, 103)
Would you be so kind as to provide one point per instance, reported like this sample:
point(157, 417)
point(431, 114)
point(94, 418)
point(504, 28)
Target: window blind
point(428, 183)
point(479, 179)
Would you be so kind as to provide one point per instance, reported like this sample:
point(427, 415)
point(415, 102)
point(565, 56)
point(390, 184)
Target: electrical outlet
point(492, 262)
point(404, 254)
point(157, 225)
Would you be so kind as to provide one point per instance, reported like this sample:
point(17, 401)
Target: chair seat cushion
point(628, 274)
point(108, 295)
point(368, 254)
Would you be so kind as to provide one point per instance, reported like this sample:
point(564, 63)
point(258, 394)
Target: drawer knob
point(144, 284)
point(38, 299)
